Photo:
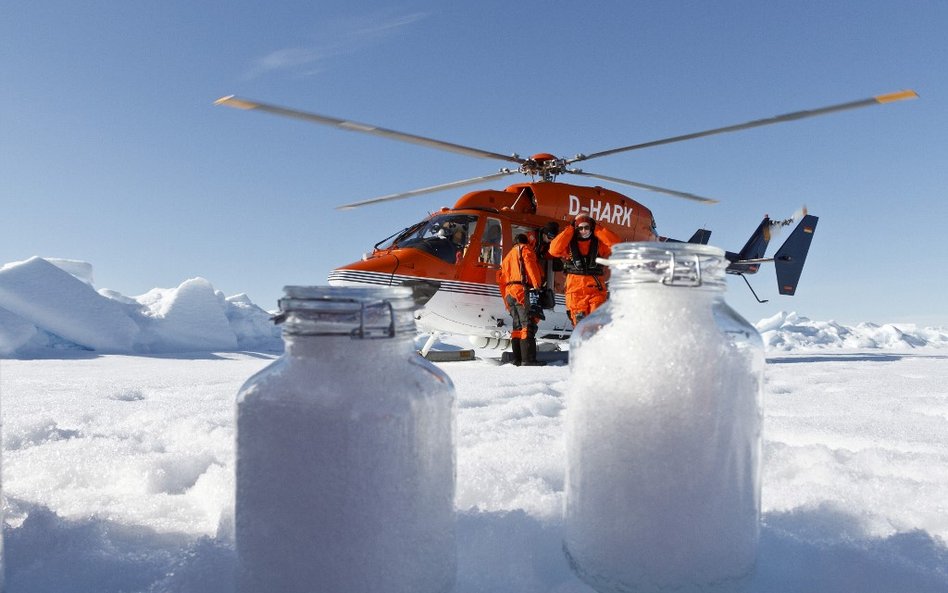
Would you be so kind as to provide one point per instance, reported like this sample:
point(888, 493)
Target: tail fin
point(754, 249)
point(700, 237)
point(791, 256)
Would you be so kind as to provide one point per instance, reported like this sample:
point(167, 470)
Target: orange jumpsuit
point(519, 272)
point(584, 292)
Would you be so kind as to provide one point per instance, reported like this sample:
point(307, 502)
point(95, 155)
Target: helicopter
point(452, 257)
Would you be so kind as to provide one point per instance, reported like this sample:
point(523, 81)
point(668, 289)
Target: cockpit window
point(445, 236)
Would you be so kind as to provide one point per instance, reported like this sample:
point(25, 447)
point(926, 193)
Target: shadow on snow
point(823, 549)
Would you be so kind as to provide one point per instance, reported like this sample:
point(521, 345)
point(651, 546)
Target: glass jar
point(345, 453)
point(663, 428)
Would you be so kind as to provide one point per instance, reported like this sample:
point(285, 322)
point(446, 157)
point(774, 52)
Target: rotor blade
point(426, 190)
point(352, 126)
point(889, 98)
point(654, 188)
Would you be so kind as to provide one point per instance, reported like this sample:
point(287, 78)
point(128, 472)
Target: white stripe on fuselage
point(466, 308)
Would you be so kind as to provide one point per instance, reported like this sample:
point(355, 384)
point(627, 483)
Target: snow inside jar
point(345, 453)
point(663, 428)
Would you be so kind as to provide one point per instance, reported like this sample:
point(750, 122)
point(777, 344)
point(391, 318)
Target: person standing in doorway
point(578, 246)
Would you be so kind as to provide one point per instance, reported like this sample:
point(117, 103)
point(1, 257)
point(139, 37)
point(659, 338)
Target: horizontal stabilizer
point(791, 256)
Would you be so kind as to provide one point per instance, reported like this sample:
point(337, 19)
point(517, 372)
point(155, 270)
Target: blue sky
point(112, 152)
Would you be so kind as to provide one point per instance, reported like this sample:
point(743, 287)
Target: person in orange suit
point(519, 274)
point(579, 245)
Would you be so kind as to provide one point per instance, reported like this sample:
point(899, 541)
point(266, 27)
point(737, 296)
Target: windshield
point(445, 236)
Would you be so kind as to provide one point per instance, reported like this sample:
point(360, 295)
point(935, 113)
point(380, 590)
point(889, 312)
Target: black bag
point(546, 299)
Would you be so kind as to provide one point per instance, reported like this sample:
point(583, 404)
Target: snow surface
point(118, 430)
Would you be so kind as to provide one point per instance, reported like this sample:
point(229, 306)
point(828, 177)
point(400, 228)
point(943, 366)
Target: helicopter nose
point(380, 271)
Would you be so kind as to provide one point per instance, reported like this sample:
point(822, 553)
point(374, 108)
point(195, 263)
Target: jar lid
point(671, 264)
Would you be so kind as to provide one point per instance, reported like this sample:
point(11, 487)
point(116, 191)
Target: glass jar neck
point(353, 313)
point(673, 265)
point(337, 350)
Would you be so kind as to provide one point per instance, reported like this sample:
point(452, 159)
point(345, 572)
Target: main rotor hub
point(544, 165)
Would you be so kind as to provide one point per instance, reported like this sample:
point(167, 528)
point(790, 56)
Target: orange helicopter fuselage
point(457, 252)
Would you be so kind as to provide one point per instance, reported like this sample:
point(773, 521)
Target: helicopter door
point(481, 306)
point(485, 252)
point(492, 244)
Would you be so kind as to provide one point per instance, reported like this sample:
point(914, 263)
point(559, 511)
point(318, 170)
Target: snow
point(793, 332)
point(379, 462)
point(629, 519)
point(190, 317)
point(61, 304)
point(50, 305)
point(118, 437)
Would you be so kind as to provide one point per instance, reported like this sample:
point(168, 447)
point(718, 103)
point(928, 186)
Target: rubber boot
point(517, 351)
point(528, 348)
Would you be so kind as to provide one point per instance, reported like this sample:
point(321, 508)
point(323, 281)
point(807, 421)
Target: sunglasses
point(584, 227)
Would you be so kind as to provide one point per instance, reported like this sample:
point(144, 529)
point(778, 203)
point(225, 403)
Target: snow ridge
point(48, 306)
point(793, 332)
